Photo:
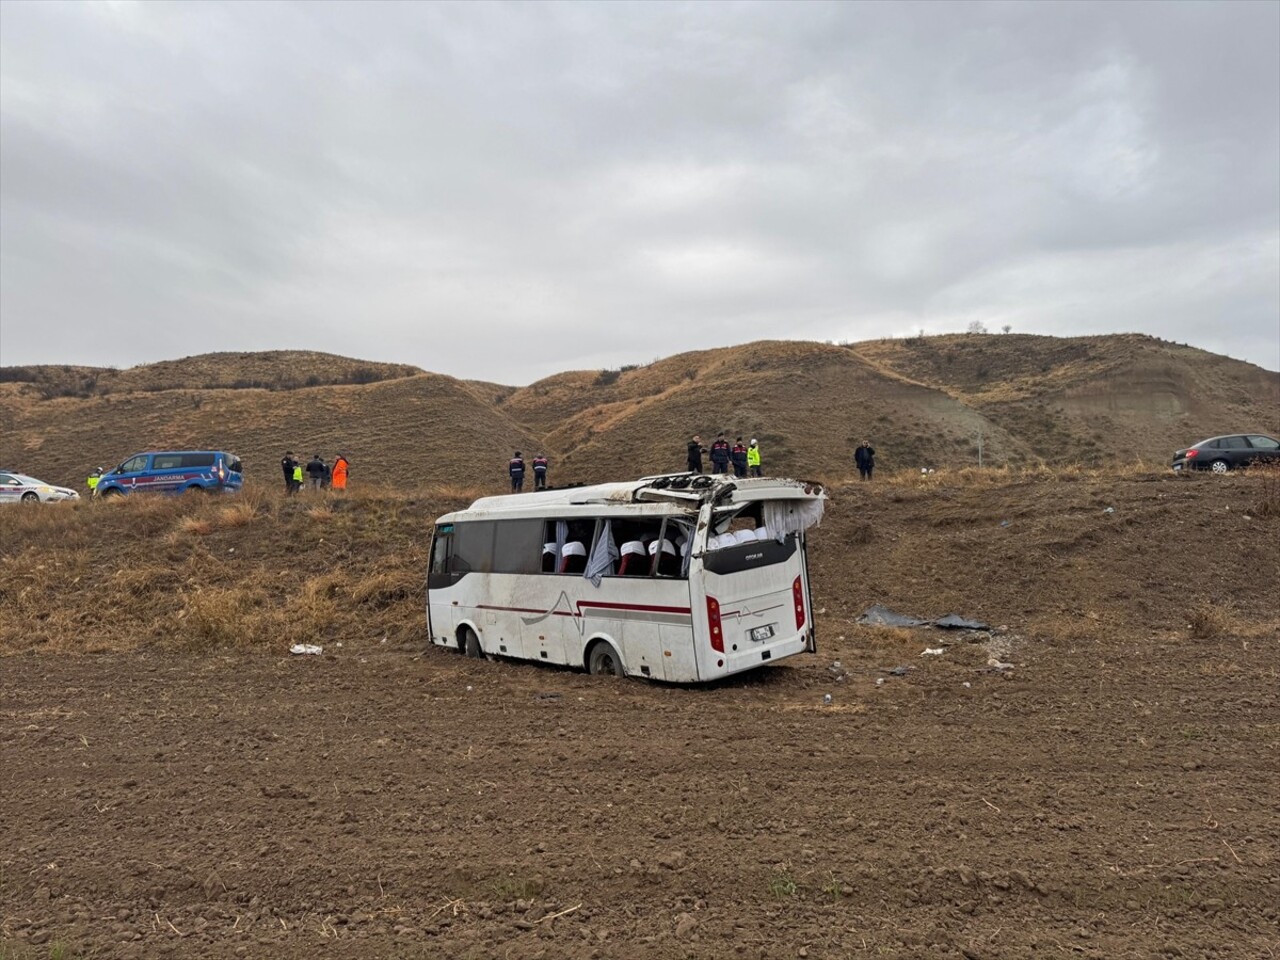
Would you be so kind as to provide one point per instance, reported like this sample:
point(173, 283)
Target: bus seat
point(548, 558)
point(668, 558)
point(720, 541)
point(762, 533)
point(634, 562)
point(573, 558)
point(745, 536)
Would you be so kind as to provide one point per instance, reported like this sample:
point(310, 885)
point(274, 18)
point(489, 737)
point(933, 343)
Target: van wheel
point(471, 644)
point(194, 488)
point(604, 661)
point(109, 492)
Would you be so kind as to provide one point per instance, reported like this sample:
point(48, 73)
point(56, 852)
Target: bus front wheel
point(471, 644)
point(604, 661)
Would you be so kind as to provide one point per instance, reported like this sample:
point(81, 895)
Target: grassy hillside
point(921, 402)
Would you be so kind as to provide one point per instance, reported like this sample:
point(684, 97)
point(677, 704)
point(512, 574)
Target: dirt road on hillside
point(1102, 801)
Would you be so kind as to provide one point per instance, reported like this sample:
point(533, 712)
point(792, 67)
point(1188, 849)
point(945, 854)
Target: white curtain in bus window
point(782, 517)
point(684, 542)
point(604, 554)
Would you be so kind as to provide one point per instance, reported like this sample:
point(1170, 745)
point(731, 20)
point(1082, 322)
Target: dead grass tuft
point(195, 526)
point(236, 515)
point(1268, 504)
point(1208, 619)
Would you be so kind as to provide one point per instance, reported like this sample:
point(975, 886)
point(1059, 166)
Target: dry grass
point(1209, 619)
point(1267, 477)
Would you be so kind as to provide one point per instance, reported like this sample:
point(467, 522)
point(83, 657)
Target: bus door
point(442, 620)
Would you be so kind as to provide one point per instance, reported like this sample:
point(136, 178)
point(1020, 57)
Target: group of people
point(318, 474)
point(744, 459)
point(516, 469)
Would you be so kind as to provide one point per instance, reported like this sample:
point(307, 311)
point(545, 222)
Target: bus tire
point(470, 644)
point(603, 661)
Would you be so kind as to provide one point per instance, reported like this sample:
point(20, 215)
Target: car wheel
point(471, 644)
point(1219, 466)
point(31, 497)
point(604, 661)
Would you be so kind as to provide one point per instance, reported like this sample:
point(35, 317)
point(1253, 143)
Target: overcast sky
point(502, 191)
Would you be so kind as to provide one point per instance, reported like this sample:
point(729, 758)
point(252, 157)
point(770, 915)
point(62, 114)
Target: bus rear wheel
point(603, 661)
point(470, 645)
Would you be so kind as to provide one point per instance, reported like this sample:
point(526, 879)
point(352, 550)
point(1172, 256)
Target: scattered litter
point(1109, 510)
point(383, 640)
point(896, 671)
point(836, 665)
point(933, 651)
point(232, 550)
point(826, 699)
point(1004, 523)
point(966, 684)
point(470, 688)
point(338, 644)
point(878, 616)
point(953, 621)
point(880, 681)
point(546, 696)
point(999, 665)
point(306, 648)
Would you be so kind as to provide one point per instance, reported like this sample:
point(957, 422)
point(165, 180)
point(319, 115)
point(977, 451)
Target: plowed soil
point(1113, 795)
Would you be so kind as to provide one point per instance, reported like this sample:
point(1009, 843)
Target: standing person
point(93, 480)
point(739, 457)
point(696, 450)
point(297, 477)
point(720, 454)
point(316, 471)
point(341, 466)
point(865, 458)
point(287, 466)
point(753, 459)
point(516, 469)
point(540, 464)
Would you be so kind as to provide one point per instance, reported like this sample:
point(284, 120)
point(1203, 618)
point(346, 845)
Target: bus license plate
point(762, 633)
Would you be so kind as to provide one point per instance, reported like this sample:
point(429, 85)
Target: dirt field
point(1113, 795)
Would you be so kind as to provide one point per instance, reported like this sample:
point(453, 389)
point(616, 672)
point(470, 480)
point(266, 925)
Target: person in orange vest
point(340, 468)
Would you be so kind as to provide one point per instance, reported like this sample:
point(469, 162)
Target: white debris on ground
point(306, 649)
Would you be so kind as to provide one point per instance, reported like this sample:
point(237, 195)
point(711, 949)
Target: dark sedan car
point(1221, 454)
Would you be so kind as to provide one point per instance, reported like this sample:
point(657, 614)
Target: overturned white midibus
point(683, 578)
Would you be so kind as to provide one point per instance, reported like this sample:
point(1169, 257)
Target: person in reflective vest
point(297, 478)
point(341, 466)
point(93, 480)
point(516, 469)
point(540, 464)
point(753, 459)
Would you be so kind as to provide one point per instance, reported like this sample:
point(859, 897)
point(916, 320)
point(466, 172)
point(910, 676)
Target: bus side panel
point(679, 658)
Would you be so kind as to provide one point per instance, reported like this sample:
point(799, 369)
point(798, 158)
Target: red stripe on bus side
point(643, 608)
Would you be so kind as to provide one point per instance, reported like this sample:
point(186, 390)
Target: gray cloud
point(506, 190)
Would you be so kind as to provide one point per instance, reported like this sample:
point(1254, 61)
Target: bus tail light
point(713, 624)
point(797, 594)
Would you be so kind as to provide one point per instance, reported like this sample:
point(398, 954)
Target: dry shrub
point(382, 590)
point(320, 514)
point(195, 526)
point(236, 515)
point(1268, 504)
point(1209, 619)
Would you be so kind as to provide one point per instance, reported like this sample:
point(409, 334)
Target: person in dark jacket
point(540, 464)
point(316, 471)
point(720, 454)
point(287, 465)
point(516, 469)
point(696, 450)
point(865, 458)
point(739, 457)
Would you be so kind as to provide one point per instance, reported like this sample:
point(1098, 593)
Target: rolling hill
point(921, 402)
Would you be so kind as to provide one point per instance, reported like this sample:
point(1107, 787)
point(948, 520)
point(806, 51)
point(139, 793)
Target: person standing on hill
point(93, 480)
point(540, 464)
point(696, 450)
point(865, 458)
point(288, 466)
point(753, 459)
point(739, 457)
point(516, 469)
point(297, 477)
point(316, 471)
point(341, 467)
point(720, 454)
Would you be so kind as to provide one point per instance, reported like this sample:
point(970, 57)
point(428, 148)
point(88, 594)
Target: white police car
point(20, 488)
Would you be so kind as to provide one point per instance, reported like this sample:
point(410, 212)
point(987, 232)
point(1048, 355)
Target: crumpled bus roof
point(684, 491)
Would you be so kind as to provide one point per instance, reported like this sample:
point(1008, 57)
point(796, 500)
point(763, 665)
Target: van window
point(195, 460)
point(134, 465)
point(233, 464)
